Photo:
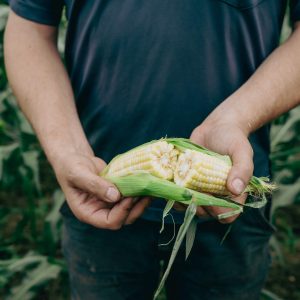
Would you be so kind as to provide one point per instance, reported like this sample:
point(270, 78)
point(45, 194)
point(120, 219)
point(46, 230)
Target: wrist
point(231, 114)
point(60, 149)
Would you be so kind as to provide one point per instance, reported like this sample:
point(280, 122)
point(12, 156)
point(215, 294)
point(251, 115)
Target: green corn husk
point(144, 184)
point(186, 226)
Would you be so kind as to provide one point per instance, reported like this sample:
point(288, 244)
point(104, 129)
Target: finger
point(138, 209)
point(182, 207)
point(119, 213)
point(214, 211)
point(179, 206)
point(99, 163)
point(242, 168)
point(90, 204)
point(196, 137)
point(97, 214)
point(201, 212)
point(96, 185)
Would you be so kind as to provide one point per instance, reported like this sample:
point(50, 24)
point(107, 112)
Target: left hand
point(226, 137)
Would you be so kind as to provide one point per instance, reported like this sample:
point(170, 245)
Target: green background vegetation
point(31, 263)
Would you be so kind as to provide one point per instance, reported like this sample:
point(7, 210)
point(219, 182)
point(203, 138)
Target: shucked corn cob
point(186, 164)
point(202, 172)
point(159, 159)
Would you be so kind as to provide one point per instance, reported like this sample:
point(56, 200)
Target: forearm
point(42, 87)
point(272, 90)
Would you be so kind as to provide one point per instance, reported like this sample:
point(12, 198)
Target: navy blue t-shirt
point(143, 70)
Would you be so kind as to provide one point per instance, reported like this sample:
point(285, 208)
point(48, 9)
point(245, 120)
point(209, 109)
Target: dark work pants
point(126, 264)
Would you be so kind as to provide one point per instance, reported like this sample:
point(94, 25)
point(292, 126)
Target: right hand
point(92, 199)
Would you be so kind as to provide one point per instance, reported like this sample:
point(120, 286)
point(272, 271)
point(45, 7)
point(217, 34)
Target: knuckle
point(228, 220)
point(201, 213)
point(113, 225)
point(71, 175)
point(131, 221)
point(92, 185)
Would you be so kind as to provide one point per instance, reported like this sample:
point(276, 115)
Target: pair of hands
point(98, 202)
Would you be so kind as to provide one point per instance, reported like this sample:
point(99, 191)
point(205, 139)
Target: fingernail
point(112, 194)
point(238, 185)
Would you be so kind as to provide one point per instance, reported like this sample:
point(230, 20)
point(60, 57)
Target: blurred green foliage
point(30, 223)
point(31, 264)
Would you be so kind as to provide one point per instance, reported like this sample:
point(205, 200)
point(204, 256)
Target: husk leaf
point(145, 184)
point(188, 218)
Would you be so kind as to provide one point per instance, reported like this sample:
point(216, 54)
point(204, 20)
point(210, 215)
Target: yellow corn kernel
point(158, 158)
point(202, 172)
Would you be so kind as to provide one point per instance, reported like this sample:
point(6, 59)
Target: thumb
point(242, 168)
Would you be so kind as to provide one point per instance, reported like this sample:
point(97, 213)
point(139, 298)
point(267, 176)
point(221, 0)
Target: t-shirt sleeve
point(295, 10)
point(46, 12)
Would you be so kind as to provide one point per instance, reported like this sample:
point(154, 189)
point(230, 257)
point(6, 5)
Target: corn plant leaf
point(286, 195)
point(12, 267)
point(166, 211)
point(268, 295)
point(43, 273)
point(284, 154)
point(276, 247)
point(4, 10)
point(188, 218)
point(53, 220)
point(285, 133)
point(190, 237)
point(5, 153)
point(3, 95)
point(31, 161)
point(22, 263)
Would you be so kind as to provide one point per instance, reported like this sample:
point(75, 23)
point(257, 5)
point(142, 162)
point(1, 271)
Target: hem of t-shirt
point(33, 13)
